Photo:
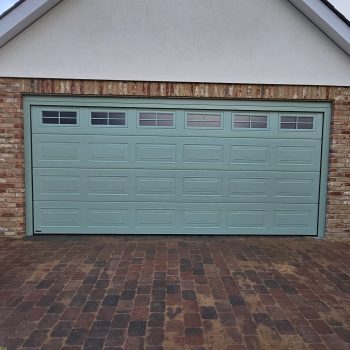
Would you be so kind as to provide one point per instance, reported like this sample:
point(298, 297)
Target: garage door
point(179, 169)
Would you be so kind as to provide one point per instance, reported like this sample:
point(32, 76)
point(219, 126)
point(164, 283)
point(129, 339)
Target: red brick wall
point(12, 211)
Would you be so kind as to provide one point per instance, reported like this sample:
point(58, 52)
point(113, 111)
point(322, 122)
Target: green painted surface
point(132, 179)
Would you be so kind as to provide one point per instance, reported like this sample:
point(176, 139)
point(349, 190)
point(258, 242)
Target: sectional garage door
point(175, 168)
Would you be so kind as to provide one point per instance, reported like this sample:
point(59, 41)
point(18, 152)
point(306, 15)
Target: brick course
point(12, 192)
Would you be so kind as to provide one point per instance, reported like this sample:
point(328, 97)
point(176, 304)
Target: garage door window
point(59, 117)
point(246, 121)
point(108, 119)
point(297, 123)
point(157, 119)
point(199, 120)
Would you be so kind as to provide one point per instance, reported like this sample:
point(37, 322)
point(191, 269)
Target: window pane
point(165, 123)
point(117, 121)
point(145, 116)
point(50, 117)
point(194, 117)
point(305, 126)
point(143, 122)
point(101, 115)
point(309, 120)
point(192, 123)
point(258, 125)
point(241, 124)
point(259, 119)
point(50, 120)
point(288, 126)
point(165, 116)
point(68, 118)
point(50, 114)
point(72, 115)
point(68, 121)
point(116, 118)
point(99, 121)
point(288, 119)
point(242, 118)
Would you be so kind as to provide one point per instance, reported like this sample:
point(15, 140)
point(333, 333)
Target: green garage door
point(175, 170)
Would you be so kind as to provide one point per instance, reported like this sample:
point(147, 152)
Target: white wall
point(237, 41)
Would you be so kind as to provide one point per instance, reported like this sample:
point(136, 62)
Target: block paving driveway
point(161, 292)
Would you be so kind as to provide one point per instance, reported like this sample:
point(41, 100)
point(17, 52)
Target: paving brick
point(140, 313)
point(189, 295)
point(236, 300)
point(44, 284)
point(284, 327)
point(173, 289)
point(121, 321)
point(155, 336)
point(127, 295)
point(91, 306)
point(61, 329)
point(157, 306)
point(320, 327)
point(137, 328)
point(115, 337)
point(56, 308)
point(36, 339)
point(208, 312)
point(192, 320)
point(110, 300)
point(77, 336)
point(194, 336)
point(78, 300)
point(156, 319)
point(99, 329)
point(93, 344)
point(142, 300)
point(343, 333)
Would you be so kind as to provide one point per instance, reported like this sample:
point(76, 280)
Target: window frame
point(250, 115)
point(107, 111)
point(60, 110)
point(203, 113)
point(156, 112)
point(296, 123)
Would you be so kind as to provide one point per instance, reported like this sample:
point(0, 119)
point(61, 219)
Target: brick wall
point(12, 193)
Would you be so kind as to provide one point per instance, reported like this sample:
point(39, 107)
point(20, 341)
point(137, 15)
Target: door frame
point(30, 101)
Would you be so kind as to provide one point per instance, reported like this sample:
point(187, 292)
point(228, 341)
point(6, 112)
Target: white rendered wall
point(235, 41)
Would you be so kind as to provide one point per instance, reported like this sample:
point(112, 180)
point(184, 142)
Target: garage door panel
point(52, 186)
point(155, 218)
point(248, 219)
point(175, 153)
point(301, 218)
point(250, 154)
point(298, 156)
point(155, 153)
point(104, 186)
point(48, 151)
point(160, 218)
point(202, 153)
point(203, 185)
point(102, 152)
point(155, 185)
point(180, 186)
point(177, 185)
point(107, 218)
point(54, 217)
